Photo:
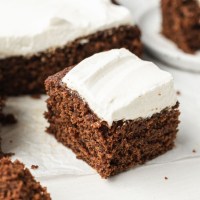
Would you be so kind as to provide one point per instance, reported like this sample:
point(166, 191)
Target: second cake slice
point(113, 110)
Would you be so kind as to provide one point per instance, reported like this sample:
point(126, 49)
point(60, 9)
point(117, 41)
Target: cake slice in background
point(16, 182)
point(113, 110)
point(181, 23)
point(42, 38)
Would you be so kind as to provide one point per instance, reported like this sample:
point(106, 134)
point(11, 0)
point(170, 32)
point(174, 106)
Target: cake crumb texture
point(181, 23)
point(17, 183)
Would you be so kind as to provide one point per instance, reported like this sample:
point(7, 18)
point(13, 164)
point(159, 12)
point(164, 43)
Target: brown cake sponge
point(17, 183)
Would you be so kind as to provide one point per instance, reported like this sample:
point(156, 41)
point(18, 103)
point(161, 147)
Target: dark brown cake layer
point(16, 182)
point(1, 114)
point(26, 75)
point(181, 23)
point(109, 150)
point(1, 107)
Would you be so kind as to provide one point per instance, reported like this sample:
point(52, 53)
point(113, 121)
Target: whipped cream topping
point(117, 85)
point(28, 27)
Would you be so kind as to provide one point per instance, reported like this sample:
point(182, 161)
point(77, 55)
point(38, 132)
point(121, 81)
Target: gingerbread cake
point(113, 110)
point(16, 182)
point(40, 39)
point(181, 23)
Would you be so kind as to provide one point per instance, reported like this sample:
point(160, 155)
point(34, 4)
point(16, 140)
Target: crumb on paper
point(36, 96)
point(34, 166)
point(7, 119)
point(194, 151)
point(178, 92)
point(166, 178)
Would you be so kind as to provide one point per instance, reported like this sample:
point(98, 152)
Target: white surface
point(117, 85)
point(28, 27)
point(161, 47)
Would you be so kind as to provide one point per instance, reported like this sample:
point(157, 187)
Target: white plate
point(161, 47)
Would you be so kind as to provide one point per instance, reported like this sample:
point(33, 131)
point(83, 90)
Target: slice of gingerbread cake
point(113, 110)
point(16, 182)
point(42, 38)
point(181, 23)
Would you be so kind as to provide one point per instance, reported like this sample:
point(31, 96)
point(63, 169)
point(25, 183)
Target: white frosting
point(117, 85)
point(31, 26)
